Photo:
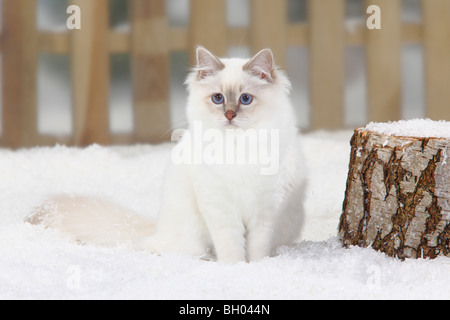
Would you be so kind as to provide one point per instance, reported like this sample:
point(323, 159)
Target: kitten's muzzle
point(230, 114)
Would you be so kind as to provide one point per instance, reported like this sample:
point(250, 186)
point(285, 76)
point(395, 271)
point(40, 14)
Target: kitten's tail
point(92, 220)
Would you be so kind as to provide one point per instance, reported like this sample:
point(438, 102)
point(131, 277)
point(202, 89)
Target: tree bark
point(397, 198)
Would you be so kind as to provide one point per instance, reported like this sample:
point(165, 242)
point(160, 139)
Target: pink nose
point(230, 114)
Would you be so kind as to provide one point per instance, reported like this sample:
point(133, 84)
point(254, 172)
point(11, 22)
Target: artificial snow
point(37, 263)
point(421, 128)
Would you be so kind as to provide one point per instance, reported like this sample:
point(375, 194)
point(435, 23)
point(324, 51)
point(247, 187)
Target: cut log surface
point(397, 199)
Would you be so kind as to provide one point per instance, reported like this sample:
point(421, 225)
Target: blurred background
point(119, 80)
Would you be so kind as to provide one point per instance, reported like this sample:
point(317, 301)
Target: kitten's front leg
point(259, 240)
point(228, 237)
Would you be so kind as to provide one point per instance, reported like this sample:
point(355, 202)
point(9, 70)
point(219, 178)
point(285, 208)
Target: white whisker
point(174, 127)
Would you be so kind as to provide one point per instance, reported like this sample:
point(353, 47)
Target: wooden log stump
point(397, 198)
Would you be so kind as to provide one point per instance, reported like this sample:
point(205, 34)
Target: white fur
point(232, 212)
point(92, 220)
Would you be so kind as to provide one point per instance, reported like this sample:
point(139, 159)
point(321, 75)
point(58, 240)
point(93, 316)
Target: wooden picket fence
point(151, 39)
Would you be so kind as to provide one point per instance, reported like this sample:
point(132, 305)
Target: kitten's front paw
point(231, 257)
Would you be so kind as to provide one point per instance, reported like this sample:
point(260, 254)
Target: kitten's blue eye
point(218, 98)
point(246, 99)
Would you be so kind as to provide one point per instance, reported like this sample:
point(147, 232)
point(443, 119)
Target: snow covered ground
point(40, 264)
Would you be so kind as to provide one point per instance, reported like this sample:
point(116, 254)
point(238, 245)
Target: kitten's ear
point(207, 63)
point(262, 65)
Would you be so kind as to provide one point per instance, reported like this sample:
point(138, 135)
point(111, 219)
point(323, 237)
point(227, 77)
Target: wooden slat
point(356, 35)
point(11, 62)
point(208, 27)
point(383, 58)
point(412, 33)
point(238, 36)
point(119, 42)
point(51, 140)
point(90, 73)
point(19, 69)
point(297, 35)
point(436, 18)
point(28, 72)
point(54, 42)
point(178, 39)
point(326, 37)
point(269, 35)
point(150, 69)
point(123, 138)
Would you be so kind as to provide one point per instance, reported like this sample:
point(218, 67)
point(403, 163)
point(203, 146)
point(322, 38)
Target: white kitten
point(236, 190)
